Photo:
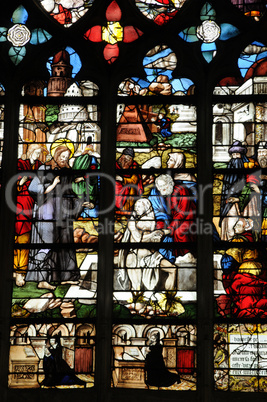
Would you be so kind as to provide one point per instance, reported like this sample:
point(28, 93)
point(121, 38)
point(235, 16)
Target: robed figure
point(157, 374)
point(56, 208)
point(56, 369)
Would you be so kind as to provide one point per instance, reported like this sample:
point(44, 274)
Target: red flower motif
point(112, 33)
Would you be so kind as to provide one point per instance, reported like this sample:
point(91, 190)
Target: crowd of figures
point(243, 221)
point(166, 215)
point(51, 196)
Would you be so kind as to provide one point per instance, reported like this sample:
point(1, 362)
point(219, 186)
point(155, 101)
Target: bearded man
point(240, 191)
point(55, 210)
point(175, 212)
point(128, 186)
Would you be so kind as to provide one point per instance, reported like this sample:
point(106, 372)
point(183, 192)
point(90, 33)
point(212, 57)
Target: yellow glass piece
point(112, 33)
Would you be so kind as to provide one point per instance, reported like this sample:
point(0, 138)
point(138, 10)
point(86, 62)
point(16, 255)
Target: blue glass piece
point(208, 47)
point(181, 84)
point(141, 82)
point(208, 51)
point(208, 56)
point(228, 31)
point(257, 43)
point(189, 34)
point(207, 12)
point(19, 16)
point(39, 36)
point(153, 73)
point(17, 54)
point(3, 34)
point(261, 55)
point(75, 61)
point(245, 62)
point(150, 59)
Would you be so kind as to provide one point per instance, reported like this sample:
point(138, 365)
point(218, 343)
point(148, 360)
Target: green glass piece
point(19, 16)
point(207, 12)
point(17, 54)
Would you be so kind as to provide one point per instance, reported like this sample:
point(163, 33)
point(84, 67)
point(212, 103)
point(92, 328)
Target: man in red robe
point(175, 207)
point(129, 185)
point(183, 212)
point(244, 279)
point(25, 205)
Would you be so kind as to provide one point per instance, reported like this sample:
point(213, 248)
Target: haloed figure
point(56, 208)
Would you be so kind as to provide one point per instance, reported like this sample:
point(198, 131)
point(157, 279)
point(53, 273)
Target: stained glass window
point(133, 214)
point(55, 268)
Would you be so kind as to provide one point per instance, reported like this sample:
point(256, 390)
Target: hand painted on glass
point(155, 213)
point(56, 229)
point(239, 193)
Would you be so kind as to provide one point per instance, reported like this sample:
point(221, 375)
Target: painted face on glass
point(164, 187)
point(236, 155)
point(63, 158)
point(239, 227)
point(139, 208)
point(36, 154)
point(53, 342)
point(125, 161)
point(262, 157)
point(171, 162)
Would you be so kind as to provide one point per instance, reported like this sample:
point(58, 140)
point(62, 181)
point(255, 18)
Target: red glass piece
point(111, 52)
point(131, 33)
point(230, 81)
point(258, 69)
point(63, 55)
point(185, 360)
point(94, 34)
point(166, 2)
point(63, 16)
point(163, 18)
point(113, 12)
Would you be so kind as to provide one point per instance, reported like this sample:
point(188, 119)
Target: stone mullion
point(205, 249)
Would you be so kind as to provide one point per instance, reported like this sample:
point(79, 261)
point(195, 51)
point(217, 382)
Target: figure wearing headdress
point(128, 186)
point(56, 207)
point(87, 187)
point(240, 191)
